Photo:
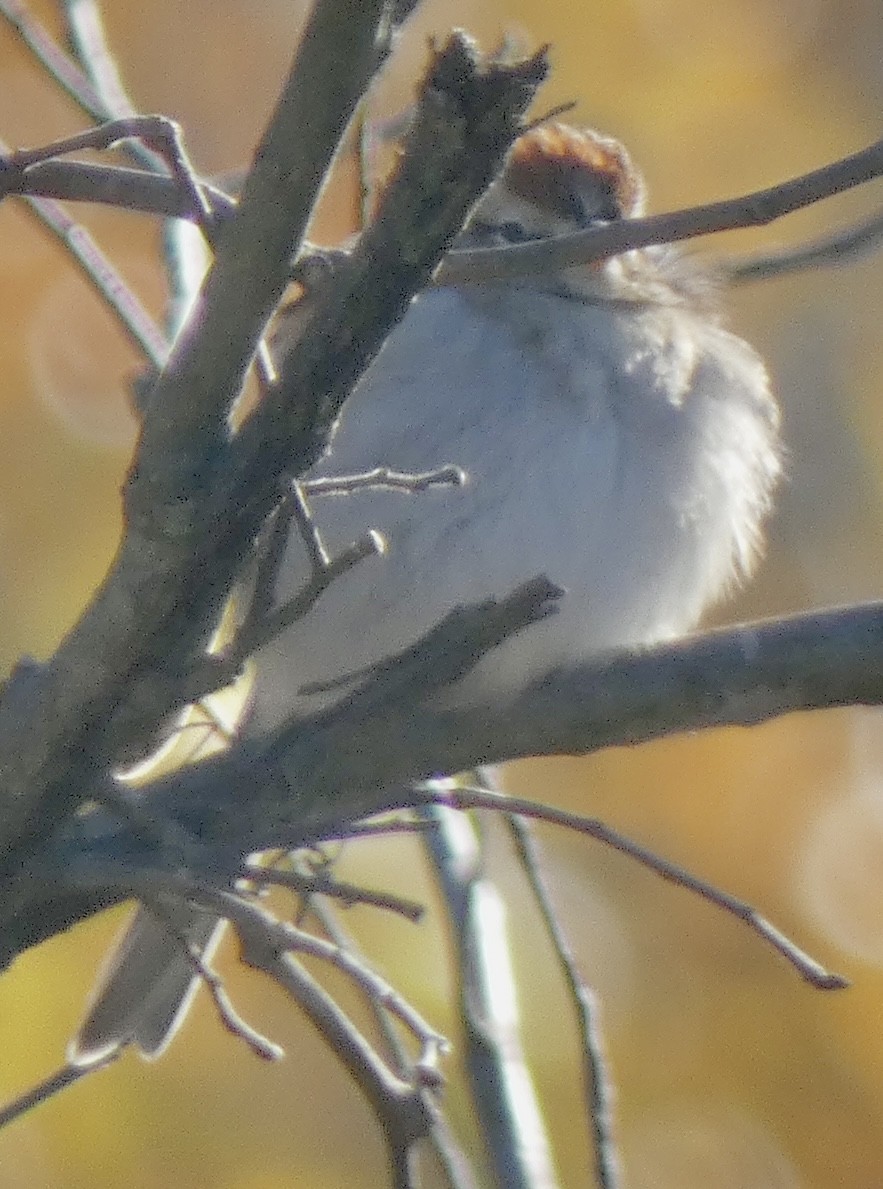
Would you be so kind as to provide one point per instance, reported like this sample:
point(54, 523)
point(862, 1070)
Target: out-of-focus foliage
point(731, 1073)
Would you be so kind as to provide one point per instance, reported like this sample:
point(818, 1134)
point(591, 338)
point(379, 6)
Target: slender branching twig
point(322, 883)
point(508, 1109)
point(829, 251)
point(476, 798)
point(67, 1076)
point(597, 1081)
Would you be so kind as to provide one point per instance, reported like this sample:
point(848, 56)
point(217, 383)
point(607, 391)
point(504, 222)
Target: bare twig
point(401, 1108)
point(838, 248)
point(387, 479)
point(597, 1082)
point(49, 1087)
point(227, 1013)
point(448, 1151)
point(308, 532)
point(130, 314)
point(99, 101)
point(372, 544)
point(109, 185)
point(56, 62)
point(464, 798)
point(86, 32)
point(230, 1017)
point(323, 883)
point(397, 824)
point(18, 173)
point(159, 133)
point(259, 1044)
point(431, 1043)
point(510, 1116)
point(222, 667)
point(477, 265)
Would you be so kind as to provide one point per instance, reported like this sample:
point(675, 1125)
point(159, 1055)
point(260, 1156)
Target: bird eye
point(598, 206)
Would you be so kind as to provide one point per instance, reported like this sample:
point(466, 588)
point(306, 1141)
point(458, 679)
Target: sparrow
point(614, 435)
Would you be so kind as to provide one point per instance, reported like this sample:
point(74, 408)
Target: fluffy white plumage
point(616, 439)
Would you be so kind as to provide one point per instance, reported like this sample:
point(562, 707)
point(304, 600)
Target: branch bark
point(196, 495)
point(315, 777)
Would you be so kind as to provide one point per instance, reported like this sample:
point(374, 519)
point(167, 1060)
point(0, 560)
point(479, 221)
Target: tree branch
point(196, 497)
point(314, 778)
point(477, 265)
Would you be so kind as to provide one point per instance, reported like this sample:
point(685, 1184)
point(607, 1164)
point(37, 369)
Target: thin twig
point(386, 479)
point(327, 920)
point(431, 1042)
point(64, 71)
point(371, 544)
point(234, 1023)
point(270, 551)
point(87, 36)
point(402, 1164)
point(838, 248)
point(120, 299)
point(159, 133)
point(218, 669)
point(137, 324)
point(399, 1107)
point(49, 1087)
point(322, 883)
point(474, 798)
point(302, 515)
point(259, 1044)
point(597, 1081)
point(506, 1101)
point(57, 64)
point(448, 1151)
point(388, 825)
point(515, 261)
point(110, 185)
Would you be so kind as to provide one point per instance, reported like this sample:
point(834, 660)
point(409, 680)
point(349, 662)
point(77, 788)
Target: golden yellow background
point(731, 1073)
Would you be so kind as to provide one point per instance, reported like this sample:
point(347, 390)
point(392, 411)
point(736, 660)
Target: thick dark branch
point(348, 760)
point(358, 758)
point(342, 47)
point(196, 496)
point(314, 777)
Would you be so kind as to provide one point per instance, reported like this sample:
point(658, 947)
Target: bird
point(614, 436)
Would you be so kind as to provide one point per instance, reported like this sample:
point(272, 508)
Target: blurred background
point(730, 1071)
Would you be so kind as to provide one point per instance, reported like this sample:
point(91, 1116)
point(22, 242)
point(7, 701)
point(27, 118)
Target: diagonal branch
point(597, 243)
point(314, 779)
point(314, 776)
point(196, 497)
